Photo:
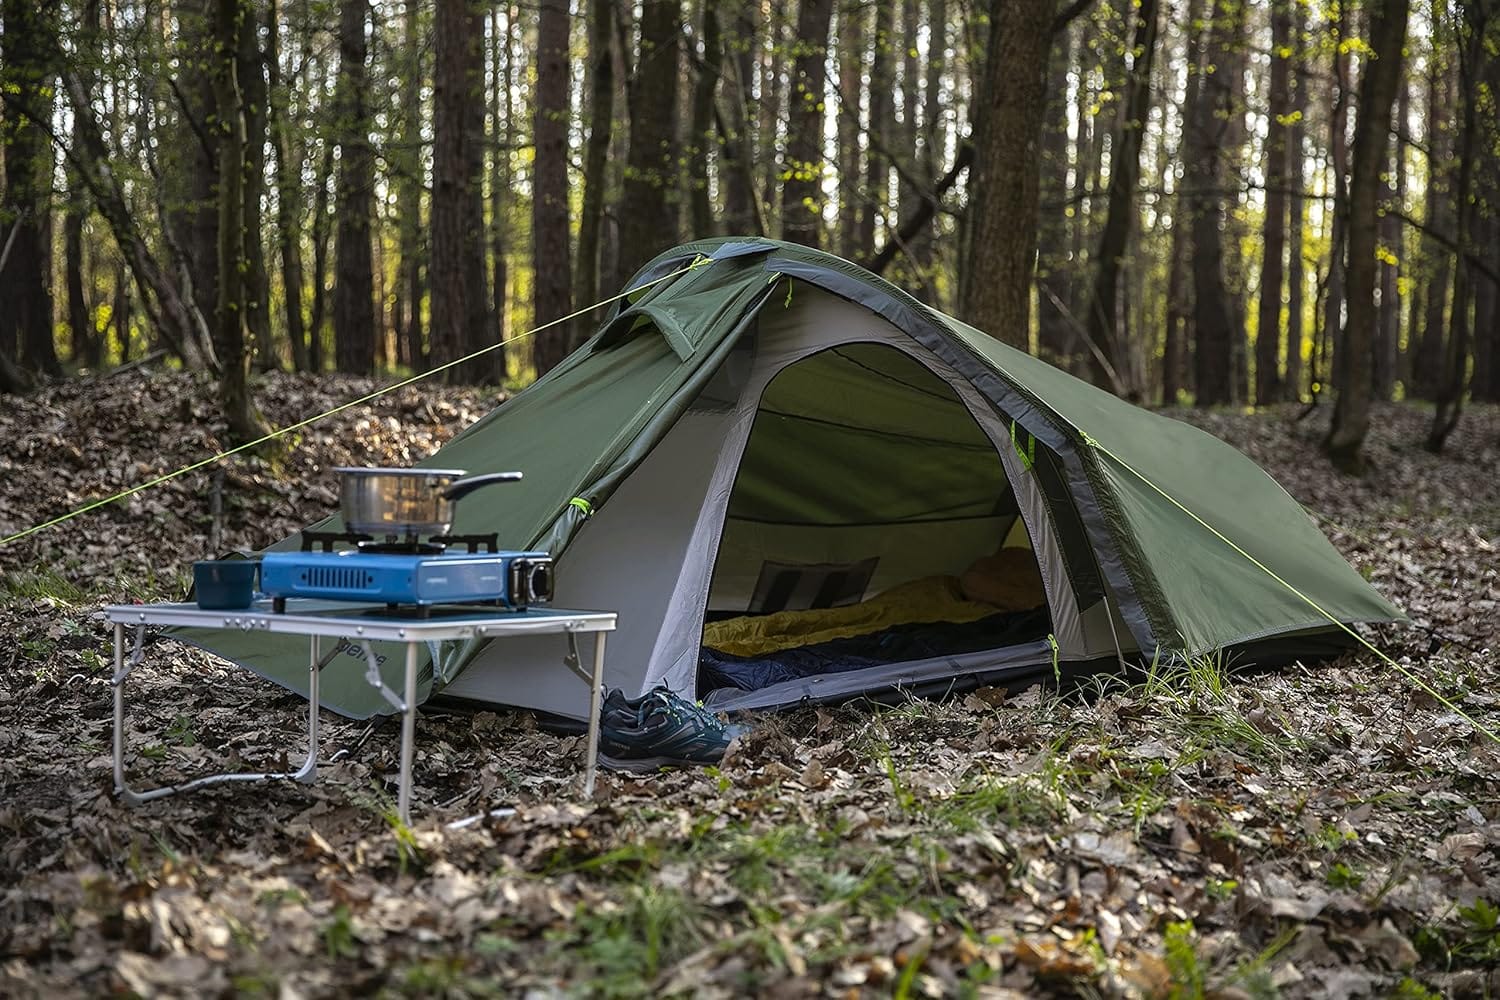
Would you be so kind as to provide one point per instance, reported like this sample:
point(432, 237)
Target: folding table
point(353, 627)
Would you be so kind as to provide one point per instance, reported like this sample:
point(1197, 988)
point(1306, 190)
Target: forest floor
point(1319, 831)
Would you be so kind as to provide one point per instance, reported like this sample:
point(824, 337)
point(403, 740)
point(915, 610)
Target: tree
point(27, 78)
point(649, 206)
point(354, 282)
point(87, 346)
point(459, 309)
point(549, 195)
point(851, 55)
point(1436, 257)
point(1296, 278)
point(1001, 243)
point(1214, 319)
point(743, 211)
point(601, 121)
point(802, 170)
point(289, 167)
point(880, 131)
point(701, 127)
point(1377, 93)
point(1055, 335)
point(1268, 384)
point(407, 159)
point(1107, 339)
point(232, 319)
point(1175, 369)
point(1474, 16)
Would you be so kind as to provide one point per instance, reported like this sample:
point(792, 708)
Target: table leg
point(596, 697)
point(408, 733)
point(135, 797)
point(308, 772)
point(119, 686)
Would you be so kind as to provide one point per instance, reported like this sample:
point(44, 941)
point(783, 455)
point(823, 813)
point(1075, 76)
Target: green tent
point(764, 436)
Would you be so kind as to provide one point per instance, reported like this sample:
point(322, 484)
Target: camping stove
point(411, 575)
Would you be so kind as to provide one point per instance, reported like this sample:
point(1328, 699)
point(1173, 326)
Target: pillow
point(1009, 580)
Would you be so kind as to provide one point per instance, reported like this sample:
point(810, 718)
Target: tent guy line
point(280, 431)
point(1409, 675)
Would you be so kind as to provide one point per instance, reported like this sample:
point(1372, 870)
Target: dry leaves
point(1314, 831)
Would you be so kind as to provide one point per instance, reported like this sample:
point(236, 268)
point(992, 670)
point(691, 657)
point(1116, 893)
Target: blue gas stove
point(418, 575)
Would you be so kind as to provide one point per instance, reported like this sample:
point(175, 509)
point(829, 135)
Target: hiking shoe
point(660, 730)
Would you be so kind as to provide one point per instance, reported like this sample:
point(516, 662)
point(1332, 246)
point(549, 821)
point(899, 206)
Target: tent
point(774, 435)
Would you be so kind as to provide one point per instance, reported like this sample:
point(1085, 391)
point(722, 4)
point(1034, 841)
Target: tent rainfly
point(790, 478)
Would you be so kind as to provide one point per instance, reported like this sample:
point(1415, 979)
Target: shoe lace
point(672, 705)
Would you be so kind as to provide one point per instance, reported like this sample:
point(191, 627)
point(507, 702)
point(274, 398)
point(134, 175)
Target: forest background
point(1205, 201)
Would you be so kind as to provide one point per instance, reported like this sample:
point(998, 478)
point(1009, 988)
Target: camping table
point(356, 625)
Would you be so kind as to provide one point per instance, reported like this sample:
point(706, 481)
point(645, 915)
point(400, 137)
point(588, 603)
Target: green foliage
point(338, 935)
point(1189, 978)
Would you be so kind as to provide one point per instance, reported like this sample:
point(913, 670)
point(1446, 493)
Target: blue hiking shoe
point(660, 730)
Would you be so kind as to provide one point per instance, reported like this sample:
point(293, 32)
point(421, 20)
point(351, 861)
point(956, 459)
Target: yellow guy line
point(698, 262)
point(1312, 603)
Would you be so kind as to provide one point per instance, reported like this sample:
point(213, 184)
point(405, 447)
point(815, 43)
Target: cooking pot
point(406, 504)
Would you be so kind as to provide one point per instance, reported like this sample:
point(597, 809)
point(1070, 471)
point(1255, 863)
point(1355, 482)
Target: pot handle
point(464, 487)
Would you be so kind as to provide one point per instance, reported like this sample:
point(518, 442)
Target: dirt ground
point(1325, 830)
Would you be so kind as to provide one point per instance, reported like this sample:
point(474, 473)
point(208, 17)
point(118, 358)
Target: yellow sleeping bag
point(931, 599)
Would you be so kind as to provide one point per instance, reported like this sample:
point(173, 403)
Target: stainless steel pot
point(406, 504)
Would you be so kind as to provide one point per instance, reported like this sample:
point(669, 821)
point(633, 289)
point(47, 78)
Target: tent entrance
point(871, 521)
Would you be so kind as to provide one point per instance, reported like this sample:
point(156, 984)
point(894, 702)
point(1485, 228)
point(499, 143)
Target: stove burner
point(402, 548)
point(326, 541)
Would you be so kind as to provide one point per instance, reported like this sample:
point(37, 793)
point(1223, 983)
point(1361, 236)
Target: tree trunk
point(1391, 256)
point(86, 344)
point(191, 162)
point(908, 194)
point(119, 314)
point(289, 167)
point(802, 189)
point(1002, 221)
point(27, 75)
point(649, 207)
point(601, 121)
point(1176, 370)
point(881, 127)
point(549, 208)
point(252, 88)
point(234, 166)
point(83, 342)
point(1486, 384)
point(851, 49)
point(1377, 92)
point(489, 368)
point(1085, 171)
point(701, 134)
point(1268, 382)
point(772, 80)
point(1437, 258)
point(1055, 334)
point(458, 300)
point(406, 161)
point(1338, 155)
point(742, 207)
point(171, 313)
point(502, 206)
point(1450, 395)
point(1109, 366)
point(1295, 272)
point(320, 259)
point(354, 282)
point(1203, 178)
point(935, 141)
